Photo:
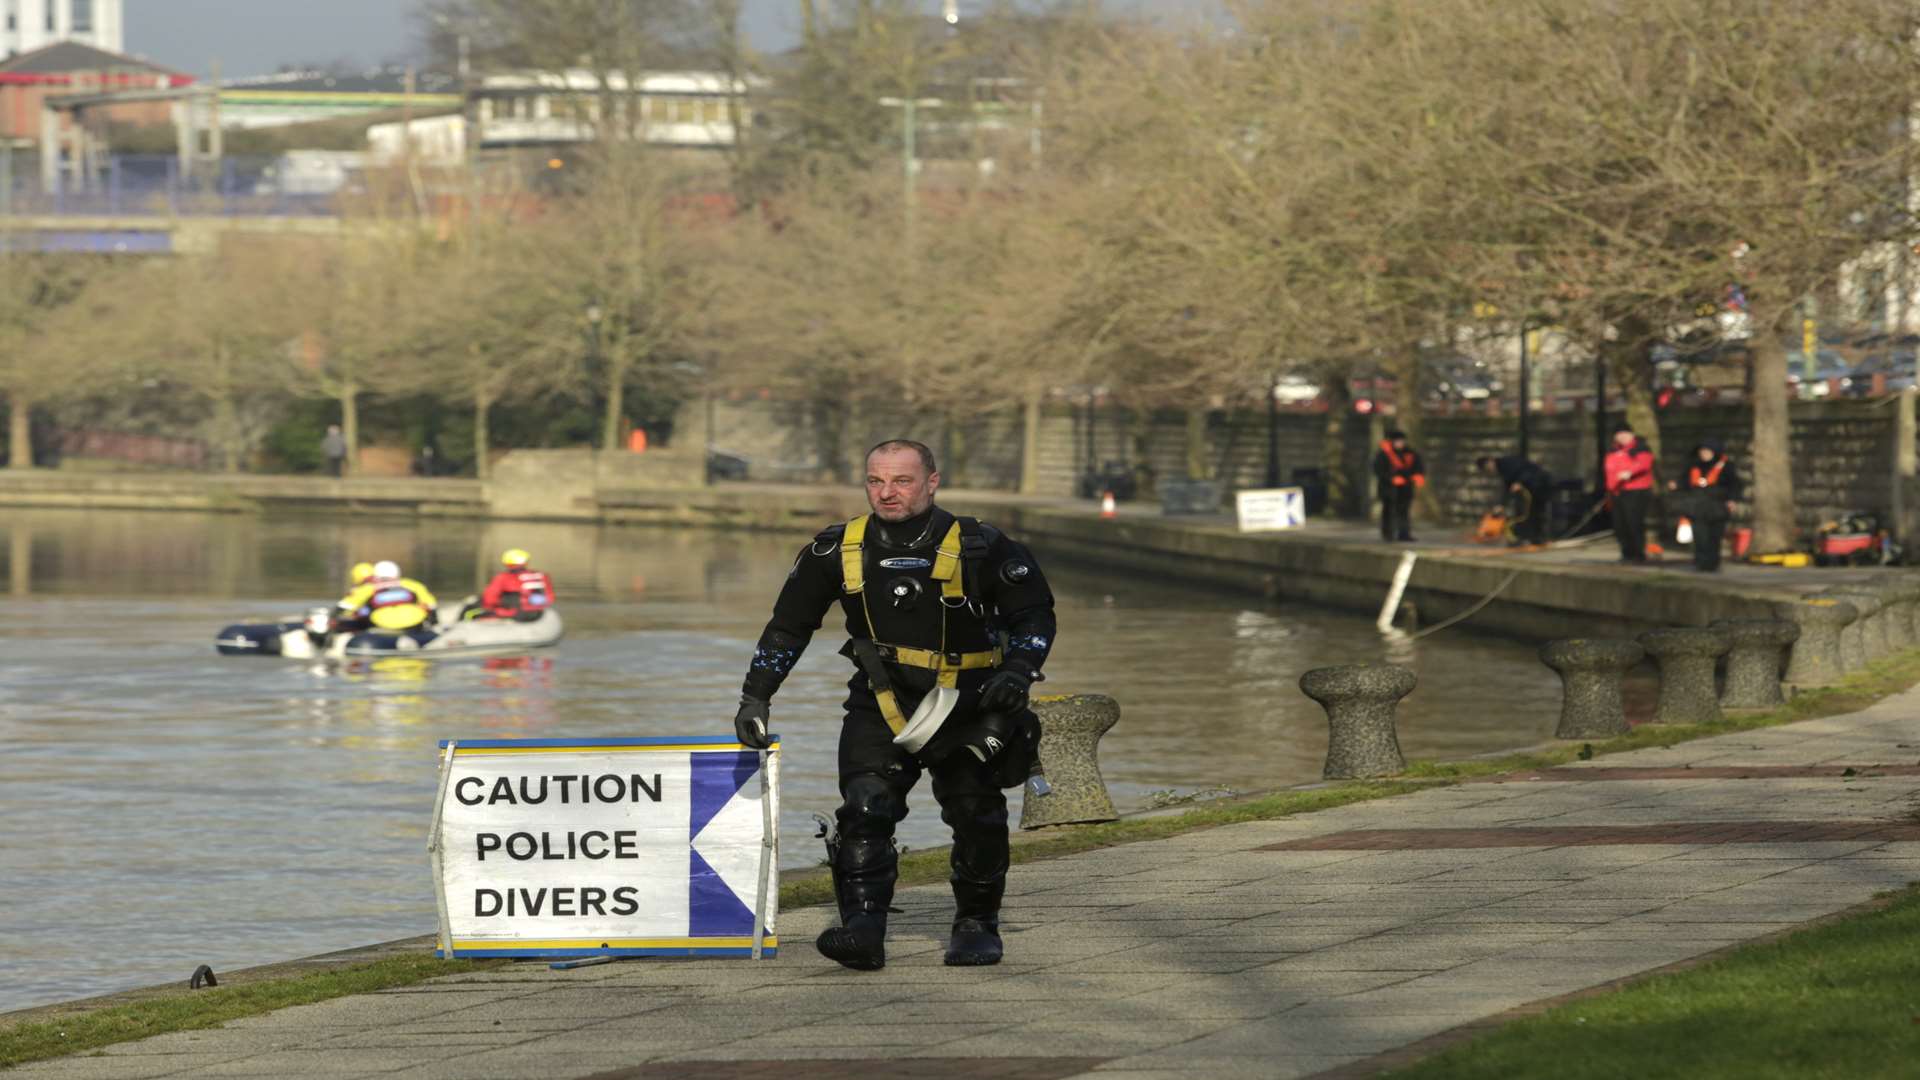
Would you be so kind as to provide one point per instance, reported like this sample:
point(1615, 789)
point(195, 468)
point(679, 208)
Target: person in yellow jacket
point(386, 601)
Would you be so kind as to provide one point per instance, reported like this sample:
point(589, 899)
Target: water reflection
point(235, 811)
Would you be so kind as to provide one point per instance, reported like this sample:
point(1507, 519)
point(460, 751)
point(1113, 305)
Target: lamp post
point(594, 316)
point(909, 164)
point(1093, 460)
point(1273, 430)
point(1526, 391)
point(1600, 435)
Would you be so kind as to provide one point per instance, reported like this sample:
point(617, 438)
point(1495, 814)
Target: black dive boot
point(976, 923)
point(864, 890)
point(860, 944)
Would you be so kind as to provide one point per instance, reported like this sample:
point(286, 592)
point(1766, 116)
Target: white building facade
point(678, 108)
point(32, 24)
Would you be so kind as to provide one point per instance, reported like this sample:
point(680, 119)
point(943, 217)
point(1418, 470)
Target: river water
point(162, 806)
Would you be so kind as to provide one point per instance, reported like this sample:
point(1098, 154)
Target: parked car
point(1828, 366)
point(1461, 379)
point(1896, 366)
point(1295, 390)
point(724, 466)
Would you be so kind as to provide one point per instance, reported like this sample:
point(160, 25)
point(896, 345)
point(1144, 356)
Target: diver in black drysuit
point(1006, 600)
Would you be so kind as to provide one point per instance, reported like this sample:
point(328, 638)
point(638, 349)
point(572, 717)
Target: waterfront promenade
point(1293, 947)
point(1328, 562)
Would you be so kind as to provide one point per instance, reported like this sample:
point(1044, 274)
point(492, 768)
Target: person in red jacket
point(1629, 478)
point(518, 591)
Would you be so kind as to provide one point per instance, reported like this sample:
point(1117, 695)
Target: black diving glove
point(750, 723)
point(1006, 690)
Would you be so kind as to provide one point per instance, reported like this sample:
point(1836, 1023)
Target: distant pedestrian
point(1399, 473)
point(426, 463)
point(1629, 483)
point(333, 446)
point(1712, 487)
point(1529, 494)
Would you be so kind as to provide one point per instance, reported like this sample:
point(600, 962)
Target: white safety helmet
point(386, 570)
point(927, 719)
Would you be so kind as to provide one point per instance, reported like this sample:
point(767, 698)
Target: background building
point(302, 97)
point(33, 24)
point(68, 67)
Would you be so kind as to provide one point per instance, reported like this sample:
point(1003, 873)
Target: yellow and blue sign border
point(716, 946)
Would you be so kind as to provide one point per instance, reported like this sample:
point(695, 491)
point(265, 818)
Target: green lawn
point(1840, 1000)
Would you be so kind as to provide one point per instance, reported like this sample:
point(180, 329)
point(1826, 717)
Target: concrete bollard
point(1876, 637)
point(1753, 661)
point(1904, 589)
point(1816, 659)
point(1359, 699)
point(1686, 656)
point(1898, 618)
point(1858, 638)
point(1070, 730)
point(1590, 673)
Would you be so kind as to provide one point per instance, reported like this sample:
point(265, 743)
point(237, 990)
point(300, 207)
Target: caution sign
point(618, 847)
point(1271, 509)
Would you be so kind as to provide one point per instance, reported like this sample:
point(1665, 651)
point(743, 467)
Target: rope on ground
point(1567, 539)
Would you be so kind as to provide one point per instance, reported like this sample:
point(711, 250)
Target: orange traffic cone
point(1107, 508)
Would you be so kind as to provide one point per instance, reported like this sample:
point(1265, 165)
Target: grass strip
point(212, 1007)
point(39, 1039)
point(1836, 1000)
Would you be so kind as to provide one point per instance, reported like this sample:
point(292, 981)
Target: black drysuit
point(1530, 512)
point(1398, 474)
point(1709, 487)
point(1007, 602)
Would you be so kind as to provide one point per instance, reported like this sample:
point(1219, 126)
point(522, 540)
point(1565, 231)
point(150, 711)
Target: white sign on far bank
point(1271, 509)
point(617, 847)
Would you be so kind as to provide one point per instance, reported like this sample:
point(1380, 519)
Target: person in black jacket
point(1398, 473)
point(1529, 490)
point(934, 604)
point(1712, 487)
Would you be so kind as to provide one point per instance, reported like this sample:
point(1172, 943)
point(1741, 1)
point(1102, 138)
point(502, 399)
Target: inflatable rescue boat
point(311, 638)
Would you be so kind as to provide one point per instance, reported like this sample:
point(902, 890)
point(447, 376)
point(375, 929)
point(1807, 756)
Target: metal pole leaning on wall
point(1396, 592)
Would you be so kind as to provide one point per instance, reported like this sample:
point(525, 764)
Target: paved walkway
point(1267, 950)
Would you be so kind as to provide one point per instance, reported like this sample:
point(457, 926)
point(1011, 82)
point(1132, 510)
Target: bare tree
point(218, 326)
point(616, 271)
point(363, 302)
point(55, 311)
point(489, 335)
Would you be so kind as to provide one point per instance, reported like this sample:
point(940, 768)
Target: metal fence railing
point(155, 184)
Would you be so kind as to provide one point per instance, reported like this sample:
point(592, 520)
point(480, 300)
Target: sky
point(258, 37)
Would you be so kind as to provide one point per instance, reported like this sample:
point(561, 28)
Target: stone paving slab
point(1266, 949)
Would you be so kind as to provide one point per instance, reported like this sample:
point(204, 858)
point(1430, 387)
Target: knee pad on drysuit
point(869, 806)
point(865, 860)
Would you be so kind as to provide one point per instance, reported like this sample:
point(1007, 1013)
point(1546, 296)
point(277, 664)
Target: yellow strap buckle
point(853, 568)
point(946, 565)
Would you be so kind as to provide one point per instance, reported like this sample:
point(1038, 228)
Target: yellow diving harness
point(947, 666)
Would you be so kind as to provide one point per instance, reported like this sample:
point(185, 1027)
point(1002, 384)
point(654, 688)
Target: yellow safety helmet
point(361, 572)
point(514, 557)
